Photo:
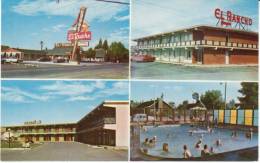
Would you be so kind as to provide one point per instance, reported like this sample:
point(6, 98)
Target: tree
point(105, 45)
point(99, 45)
point(231, 104)
point(250, 95)
point(212, 99)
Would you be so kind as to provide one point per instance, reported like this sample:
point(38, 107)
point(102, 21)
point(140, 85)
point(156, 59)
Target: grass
point(17, 144)
point(13, 144)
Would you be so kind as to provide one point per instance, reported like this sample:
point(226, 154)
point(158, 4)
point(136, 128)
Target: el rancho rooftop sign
point(229, 19)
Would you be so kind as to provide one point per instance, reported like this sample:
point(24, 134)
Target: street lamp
point(225, 93)
point(9, 136)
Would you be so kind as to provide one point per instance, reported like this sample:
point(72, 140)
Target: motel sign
point(228, 18)
point(79, 36)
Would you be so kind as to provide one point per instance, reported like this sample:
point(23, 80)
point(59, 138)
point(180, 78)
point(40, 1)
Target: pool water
point(178, 135)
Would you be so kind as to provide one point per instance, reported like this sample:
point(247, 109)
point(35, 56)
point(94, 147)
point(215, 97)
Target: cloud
point(67, 91)
point(100, 11)
point(69, 88)
point(55, 28)
point(80, 98)
point(120, 35)
point(121, 18)
point(17, 95)
point(118, 88)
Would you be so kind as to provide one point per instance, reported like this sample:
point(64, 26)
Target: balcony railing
point(98, 123)
point(200, 43)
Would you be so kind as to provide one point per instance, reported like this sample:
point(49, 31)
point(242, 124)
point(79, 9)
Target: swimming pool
point(178, 135)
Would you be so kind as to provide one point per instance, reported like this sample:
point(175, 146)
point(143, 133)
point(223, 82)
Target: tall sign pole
point(75, 52)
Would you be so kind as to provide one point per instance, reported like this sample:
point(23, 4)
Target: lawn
point(13, 144)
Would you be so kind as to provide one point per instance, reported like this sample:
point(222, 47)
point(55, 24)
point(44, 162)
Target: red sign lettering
point(79, 36)
point(227, 18)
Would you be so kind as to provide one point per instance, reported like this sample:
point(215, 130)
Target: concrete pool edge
point(213, 157)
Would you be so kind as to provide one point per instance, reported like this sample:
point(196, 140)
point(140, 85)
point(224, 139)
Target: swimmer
point(146, 141)
point(211, 150)
point(191, 132)
point(186, 152)
point(154, 139)
point(218, 142)
point(198, 144)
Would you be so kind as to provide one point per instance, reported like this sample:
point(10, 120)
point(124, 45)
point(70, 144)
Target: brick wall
point(243, 57)
point(212, 56)
point(214, 35)
point(243, 38)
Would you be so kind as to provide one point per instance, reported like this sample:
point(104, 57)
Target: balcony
point(97, 123)
point(200, 43)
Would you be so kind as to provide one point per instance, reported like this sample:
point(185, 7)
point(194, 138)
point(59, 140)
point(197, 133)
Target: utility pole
point(41, 45)
point(81, 16)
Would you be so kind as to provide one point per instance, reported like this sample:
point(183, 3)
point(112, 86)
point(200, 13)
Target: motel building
point(229, 42)
point(107, 124)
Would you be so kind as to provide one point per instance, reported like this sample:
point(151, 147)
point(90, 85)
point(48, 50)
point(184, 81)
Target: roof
point(197, 27)
point(29, 125)
point(60, 51)
point(107, 102)
point(152, 104)
point(11, 50)
point(197, 106)
point(32, 51)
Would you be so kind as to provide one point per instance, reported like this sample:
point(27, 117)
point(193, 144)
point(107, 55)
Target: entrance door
point(226, 57)
point(199, 56)
point(57, 138)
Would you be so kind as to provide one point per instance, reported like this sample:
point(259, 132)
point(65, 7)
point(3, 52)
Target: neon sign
point(228, 18)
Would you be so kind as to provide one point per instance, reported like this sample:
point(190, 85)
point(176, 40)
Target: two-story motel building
point(202, 45)
point(107, 124)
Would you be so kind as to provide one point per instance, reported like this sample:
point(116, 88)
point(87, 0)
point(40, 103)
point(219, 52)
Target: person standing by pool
point(186, 153)
point(205, 151)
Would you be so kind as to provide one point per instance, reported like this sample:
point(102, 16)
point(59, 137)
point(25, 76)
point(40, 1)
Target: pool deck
point(136, 154)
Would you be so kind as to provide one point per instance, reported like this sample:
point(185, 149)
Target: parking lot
point(65, 151)
point(156, 70)
point(84, 71)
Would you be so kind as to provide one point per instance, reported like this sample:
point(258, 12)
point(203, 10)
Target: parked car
point(59, 60)
point(44, 59)
point(140, 117)
point(13, 60)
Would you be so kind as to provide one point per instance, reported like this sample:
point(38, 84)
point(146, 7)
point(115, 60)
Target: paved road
point(66, 151)
point(90, 71)
point(156, 70)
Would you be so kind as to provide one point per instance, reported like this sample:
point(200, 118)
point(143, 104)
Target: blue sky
point(177, 92)
point(55, 101)
point(154, 16)
point(26, 22)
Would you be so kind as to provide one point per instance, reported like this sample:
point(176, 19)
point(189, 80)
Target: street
point(88, 71)
point(65, 151)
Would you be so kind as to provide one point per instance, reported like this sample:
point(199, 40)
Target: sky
point(154, 16)
point(55, 101)
point(26, 22)
point(177, 92)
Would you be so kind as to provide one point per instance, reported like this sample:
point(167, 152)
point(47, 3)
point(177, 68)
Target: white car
point(11, 60)
point(140, 118)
